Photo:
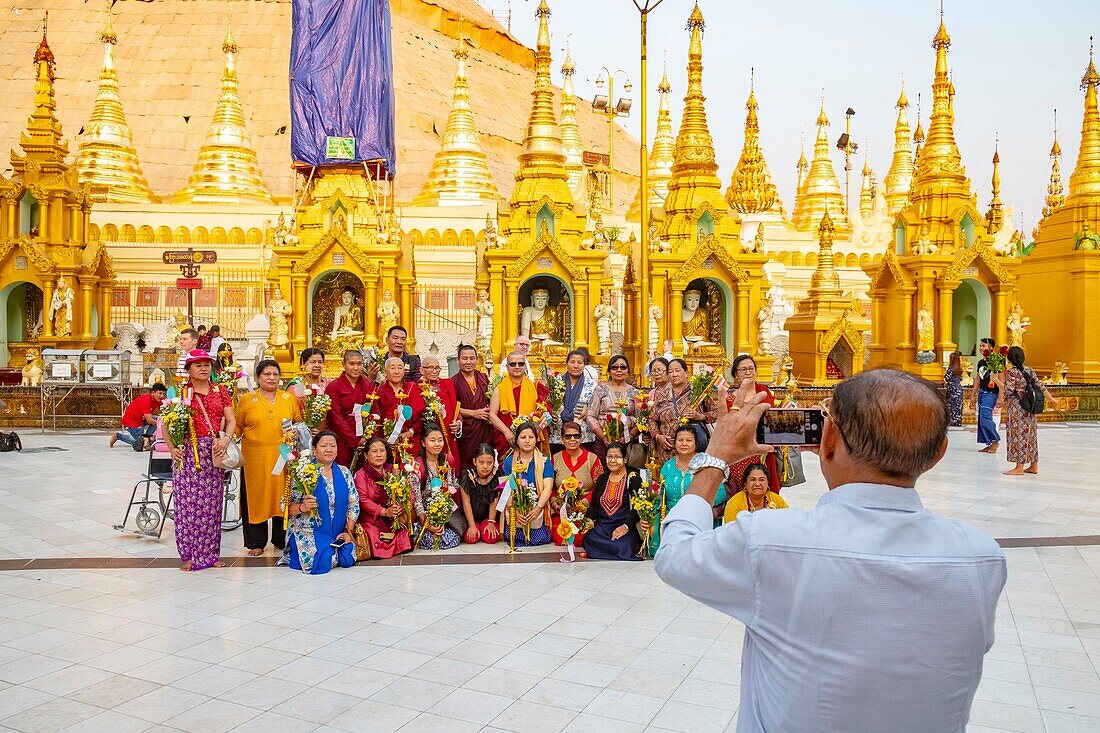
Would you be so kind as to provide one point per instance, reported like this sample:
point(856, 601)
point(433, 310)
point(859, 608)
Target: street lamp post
point(611, 108)
point(645, 7)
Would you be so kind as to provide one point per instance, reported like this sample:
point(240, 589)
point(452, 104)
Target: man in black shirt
point(987, 394)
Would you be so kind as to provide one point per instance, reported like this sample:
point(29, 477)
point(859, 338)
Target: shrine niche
point(546, 315)
point(703, 317)
point(22, 311)
point(336, 314)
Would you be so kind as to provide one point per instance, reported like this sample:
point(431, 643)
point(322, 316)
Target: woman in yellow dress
point(754, 495)
point(260, 416)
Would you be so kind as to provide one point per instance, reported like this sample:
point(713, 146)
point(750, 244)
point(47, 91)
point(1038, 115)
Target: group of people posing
point(406, 458)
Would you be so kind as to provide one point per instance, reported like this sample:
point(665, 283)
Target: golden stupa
point(751, 189)
point(900, 176)
point(819, 193)
point(660, 155)
point(571, 144)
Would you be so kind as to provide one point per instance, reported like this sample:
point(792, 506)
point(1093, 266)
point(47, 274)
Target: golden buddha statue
point(926, 329)
point(696, 320)
point(540, 321)
point(347, 323)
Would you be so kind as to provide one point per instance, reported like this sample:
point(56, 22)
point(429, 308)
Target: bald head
point(891, 422)
point(429, 360)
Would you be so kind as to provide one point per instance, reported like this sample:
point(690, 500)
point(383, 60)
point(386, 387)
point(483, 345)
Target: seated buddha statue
point(347, 323)
point(696, 323)
point(540, 322)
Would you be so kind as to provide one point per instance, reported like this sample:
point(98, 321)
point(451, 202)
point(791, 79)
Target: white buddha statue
point(539, 321)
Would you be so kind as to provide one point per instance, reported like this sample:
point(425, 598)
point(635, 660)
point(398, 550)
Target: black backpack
point(1032, 400)
point(10, 442)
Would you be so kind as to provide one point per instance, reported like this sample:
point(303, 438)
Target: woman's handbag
point(702, 434)
point(636, 455)
point(232, 458)
point(790, 466)
point(362, 543)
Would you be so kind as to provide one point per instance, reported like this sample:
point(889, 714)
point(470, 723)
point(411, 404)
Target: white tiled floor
point(486, 647)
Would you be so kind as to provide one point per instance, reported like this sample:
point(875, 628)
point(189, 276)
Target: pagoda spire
point(918, 142)
point(571, 143)
point(542, 156)
point(801, 167)
point(106, 156)
point(694, 164)
point(1084, 182)
point(751, 189)
point(460, 171)
point(824, 282)
point(868, 189)
point(227, 171)
point(900, 176)
point(1055, 193)
point(821, 188)
point(994, 218)
point(661, 155)
point(42, 138)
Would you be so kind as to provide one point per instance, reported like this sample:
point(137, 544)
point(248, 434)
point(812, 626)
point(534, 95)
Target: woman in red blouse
point(744, 367)
point(198, 486)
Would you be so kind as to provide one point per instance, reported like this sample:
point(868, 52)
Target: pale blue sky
point(1013, 63)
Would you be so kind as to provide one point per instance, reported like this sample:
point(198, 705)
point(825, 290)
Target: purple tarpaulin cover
point(341, 80)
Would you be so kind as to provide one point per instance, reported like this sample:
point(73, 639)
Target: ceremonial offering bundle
point(995, 362)
point(644, 404)
point(646, 500)
point(315, 405)
point(440, 507)
point(397, 488)
point(525, 497)
point(555, 383)
point(702, 385)
point(176, 417)
point(305, 474)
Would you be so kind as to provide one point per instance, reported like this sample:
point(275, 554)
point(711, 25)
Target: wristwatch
point(705, 460)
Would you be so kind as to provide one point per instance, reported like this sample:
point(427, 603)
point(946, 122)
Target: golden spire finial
point(227, 171)
point(106, 156)
point(1055, 193)
point(868, 188)
point(820, 192)
point(824, 280)
point(802, 165)
point(661, 155)
point(460, 171)
point(1084, 182)
point(694, 164)
point(940, 163)
point(994, 218)
point(542, 156)
point(43, 53)
point(751, 189)
point(572, 145)
point(42, 138)
point(900, 176)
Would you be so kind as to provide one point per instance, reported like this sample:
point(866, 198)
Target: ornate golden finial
point(42, 138)
point(1084, 182)
point(43, 52)
point(751, 189)
point(227, 171)
point(868, 188)
point(542, 156)
point(571, 143)
point(694, 165)
point(824, 281)
point(994, 218)
point(801, 166)
point(106, 156)
point(661, 155)
point(460, 171)
point(1055, 193)
point(940, 164)
point(821, 189)
point(900, 176)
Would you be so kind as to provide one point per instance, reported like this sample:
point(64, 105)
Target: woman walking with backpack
point(1024, 397)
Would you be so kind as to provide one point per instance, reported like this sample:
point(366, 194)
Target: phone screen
point(790, 426)
point(339, 543)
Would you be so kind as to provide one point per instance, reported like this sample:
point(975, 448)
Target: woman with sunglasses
point(576, 462)
point(744, 367)
point(613, 402)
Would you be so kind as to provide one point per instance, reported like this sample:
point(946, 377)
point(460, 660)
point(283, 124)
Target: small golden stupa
point(819, 193)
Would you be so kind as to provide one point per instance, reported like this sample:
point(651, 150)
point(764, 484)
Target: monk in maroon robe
point(395, 392)
point(445, 390)
point(471, 388)
point(346, 391)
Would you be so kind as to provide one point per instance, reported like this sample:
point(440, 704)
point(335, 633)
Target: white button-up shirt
point(866, 613)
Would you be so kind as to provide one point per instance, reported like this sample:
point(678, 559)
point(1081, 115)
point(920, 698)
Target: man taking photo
point(866, 613)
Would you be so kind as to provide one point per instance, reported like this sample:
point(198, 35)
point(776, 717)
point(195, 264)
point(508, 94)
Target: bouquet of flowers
point(644, 404)
point(396, 485)
point(175, 416)
point(556, 384)
point(494, 382)
point(433, 405)
point(702, 385)
point(305, 474)
point(373, 355)
point(315, 405)
point(613, 428)
point(996, 362)
point(646, 500)
point(440, 507)
point(525, 497)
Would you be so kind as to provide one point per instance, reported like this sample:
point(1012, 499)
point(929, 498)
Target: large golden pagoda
point(660, 155)
point(820, 193)
point(227, 171)
point(943, 285)
point(751, 189)
point(900, 176)
point(55, 286)
point(460, 172)
point(1066, 258)
point(542, 282)
point(571, 144)
point(704, 281)
point(106, 157)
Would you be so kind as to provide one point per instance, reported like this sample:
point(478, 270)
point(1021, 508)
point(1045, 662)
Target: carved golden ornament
point(966, 257)
point(712, 247)
point(890, 264)
point(335, 236)
point(549, 242)
point(751, 189)
point(41, 262)
point(842, 328)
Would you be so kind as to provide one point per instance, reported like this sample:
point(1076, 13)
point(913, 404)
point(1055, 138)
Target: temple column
point(511, 318)
point(632, 321)
point(104, 309)
point(659, 297)
point(300, 309)
point(57, 219)
point(945, 317)
point(496, 297)
point(581, 314)
point(8, 207)
point(741, 318)
point(907, 297)
point(47, 297)
point(86, 310)
point(675, 319)
point(406, 285)
point(370, 307)
point(43, 220)
point(999, 317)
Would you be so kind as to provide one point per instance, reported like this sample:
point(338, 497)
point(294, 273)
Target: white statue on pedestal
point(278, 309)
point(485, 311)
point(773, 316)
point(604, 314)
point(539, 321)
point(61, 308)
point(655, 316)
